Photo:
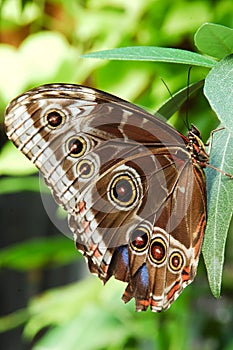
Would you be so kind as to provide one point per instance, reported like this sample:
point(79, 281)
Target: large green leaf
point(214, 40)
point(155, 54)
point(219, 91)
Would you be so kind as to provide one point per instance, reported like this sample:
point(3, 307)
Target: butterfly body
point(133, 187)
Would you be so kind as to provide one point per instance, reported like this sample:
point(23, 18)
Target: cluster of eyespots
point(124, 190)
point(76, 146)
point(157, 248)
point(54, 118)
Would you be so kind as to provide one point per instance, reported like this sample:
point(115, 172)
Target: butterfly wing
point(135, 198)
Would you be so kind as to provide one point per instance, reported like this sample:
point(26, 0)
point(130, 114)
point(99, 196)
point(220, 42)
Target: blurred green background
point(41, 303)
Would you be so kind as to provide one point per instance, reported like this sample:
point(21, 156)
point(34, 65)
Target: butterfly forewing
point(133, 190)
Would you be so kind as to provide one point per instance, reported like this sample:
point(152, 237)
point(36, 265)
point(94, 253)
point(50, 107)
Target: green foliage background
point(41, 42)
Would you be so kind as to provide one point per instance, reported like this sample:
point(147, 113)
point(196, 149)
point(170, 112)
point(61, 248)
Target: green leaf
point(214, 40)
point(11, 321)
point(37, 253)
point(176, 101)
point(69, 312)
point(61, 305)
point(219, 91)
point(155, 54)
point(219, 204)
point(69, 335)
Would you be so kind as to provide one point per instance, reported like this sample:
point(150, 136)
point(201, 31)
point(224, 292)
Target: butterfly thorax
point(196, 147)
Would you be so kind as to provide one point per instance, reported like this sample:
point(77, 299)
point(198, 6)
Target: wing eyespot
point(123, 191)
point(54, 118)
point(76, 146)
point(139, 239)
point(176, 261)
point(158, 251)
point(85, 168)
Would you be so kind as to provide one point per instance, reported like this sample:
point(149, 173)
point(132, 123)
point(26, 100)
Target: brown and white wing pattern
point(133, 187)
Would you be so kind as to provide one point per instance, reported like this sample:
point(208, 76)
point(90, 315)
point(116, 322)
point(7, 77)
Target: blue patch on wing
point(125, 255)
point(143, 272)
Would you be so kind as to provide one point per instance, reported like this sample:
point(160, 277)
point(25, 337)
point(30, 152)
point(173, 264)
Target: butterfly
point(133, 187)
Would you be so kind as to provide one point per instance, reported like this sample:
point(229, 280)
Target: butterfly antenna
point(187, 99)
point(186, 122)
point(170, 93)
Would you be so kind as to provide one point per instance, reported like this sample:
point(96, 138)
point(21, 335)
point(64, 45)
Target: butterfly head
point(197, 147)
